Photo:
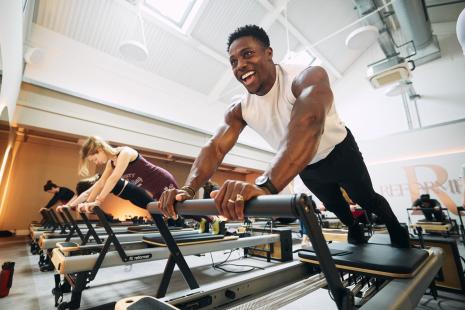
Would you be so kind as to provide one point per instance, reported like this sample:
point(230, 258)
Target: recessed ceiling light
point(362, 37)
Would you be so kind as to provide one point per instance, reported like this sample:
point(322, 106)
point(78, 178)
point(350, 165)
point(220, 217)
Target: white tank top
point(269, 115)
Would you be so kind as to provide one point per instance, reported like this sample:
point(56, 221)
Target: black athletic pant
point(439, 216)
point(344, 167)
point(135, 194)
point(139, 197)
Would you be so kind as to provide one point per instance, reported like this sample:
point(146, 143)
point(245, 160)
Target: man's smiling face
point(252, 64)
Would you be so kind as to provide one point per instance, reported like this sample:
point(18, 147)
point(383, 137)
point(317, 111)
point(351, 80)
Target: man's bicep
point(228, 133)
point(225, 137)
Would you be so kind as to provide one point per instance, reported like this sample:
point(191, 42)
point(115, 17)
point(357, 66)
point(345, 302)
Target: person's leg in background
point(330, 195)
point(305, 239)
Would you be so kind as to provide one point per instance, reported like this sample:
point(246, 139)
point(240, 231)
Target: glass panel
point(176, 11)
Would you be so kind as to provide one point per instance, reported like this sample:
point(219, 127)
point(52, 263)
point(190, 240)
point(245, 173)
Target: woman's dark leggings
point(139, 196)
point(135, 194)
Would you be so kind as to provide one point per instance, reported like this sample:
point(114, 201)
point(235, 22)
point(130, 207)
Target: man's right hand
point(168, 198)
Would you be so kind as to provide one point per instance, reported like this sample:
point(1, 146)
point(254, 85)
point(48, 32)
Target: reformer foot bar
point(280, 206)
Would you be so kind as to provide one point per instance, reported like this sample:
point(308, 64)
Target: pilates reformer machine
point(48, 224)
point(374, 275)
point(51, 226)
point(69, 228)
point(445, 227)
point(79, 236)
point(77, 265)
point(61, 228)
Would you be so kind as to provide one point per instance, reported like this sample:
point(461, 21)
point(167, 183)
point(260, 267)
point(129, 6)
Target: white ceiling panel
point(104, 24)
point(317, 20)
point(221, 17)
point(177, 60)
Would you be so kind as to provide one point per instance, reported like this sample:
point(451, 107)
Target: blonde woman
point(127, 164)
point(123, 163)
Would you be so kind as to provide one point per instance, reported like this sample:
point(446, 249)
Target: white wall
point(11, 43)
point(403, 166)
point(402, 182)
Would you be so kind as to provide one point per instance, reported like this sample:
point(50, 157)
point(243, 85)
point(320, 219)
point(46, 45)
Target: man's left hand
point(231, 197)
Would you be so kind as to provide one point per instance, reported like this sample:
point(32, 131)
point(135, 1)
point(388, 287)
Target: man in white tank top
point(292, 108)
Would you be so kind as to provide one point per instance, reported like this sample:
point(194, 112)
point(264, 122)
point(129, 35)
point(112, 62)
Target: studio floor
point(32, 289)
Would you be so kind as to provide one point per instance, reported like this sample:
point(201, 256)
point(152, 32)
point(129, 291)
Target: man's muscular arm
point(314, 100)
point(210, 157)
point(213, 153)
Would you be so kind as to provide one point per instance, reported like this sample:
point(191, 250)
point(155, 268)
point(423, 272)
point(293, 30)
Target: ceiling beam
point(194, 17)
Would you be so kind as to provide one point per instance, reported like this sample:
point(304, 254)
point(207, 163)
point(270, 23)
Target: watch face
point(261, 180)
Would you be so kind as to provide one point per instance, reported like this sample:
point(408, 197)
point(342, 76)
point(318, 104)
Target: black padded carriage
point(373, 259)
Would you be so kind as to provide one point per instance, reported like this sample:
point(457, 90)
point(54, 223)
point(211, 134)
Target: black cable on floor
point(224, 263)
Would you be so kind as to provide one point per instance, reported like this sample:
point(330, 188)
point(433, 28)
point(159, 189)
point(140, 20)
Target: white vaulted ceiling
point(197, 59)
point(103, 24)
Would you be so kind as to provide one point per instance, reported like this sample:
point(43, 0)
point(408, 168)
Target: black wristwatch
point(265, 182)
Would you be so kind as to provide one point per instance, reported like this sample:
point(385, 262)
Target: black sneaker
point(356, 234)
point(400, 238)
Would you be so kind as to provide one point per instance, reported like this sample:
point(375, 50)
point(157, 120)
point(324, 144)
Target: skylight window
point(175, 11)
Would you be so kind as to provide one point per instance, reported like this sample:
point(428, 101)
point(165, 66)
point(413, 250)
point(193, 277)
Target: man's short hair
point(249, 30)
point(425, 197)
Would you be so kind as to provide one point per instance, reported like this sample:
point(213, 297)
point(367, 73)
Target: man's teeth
point(247, 74)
